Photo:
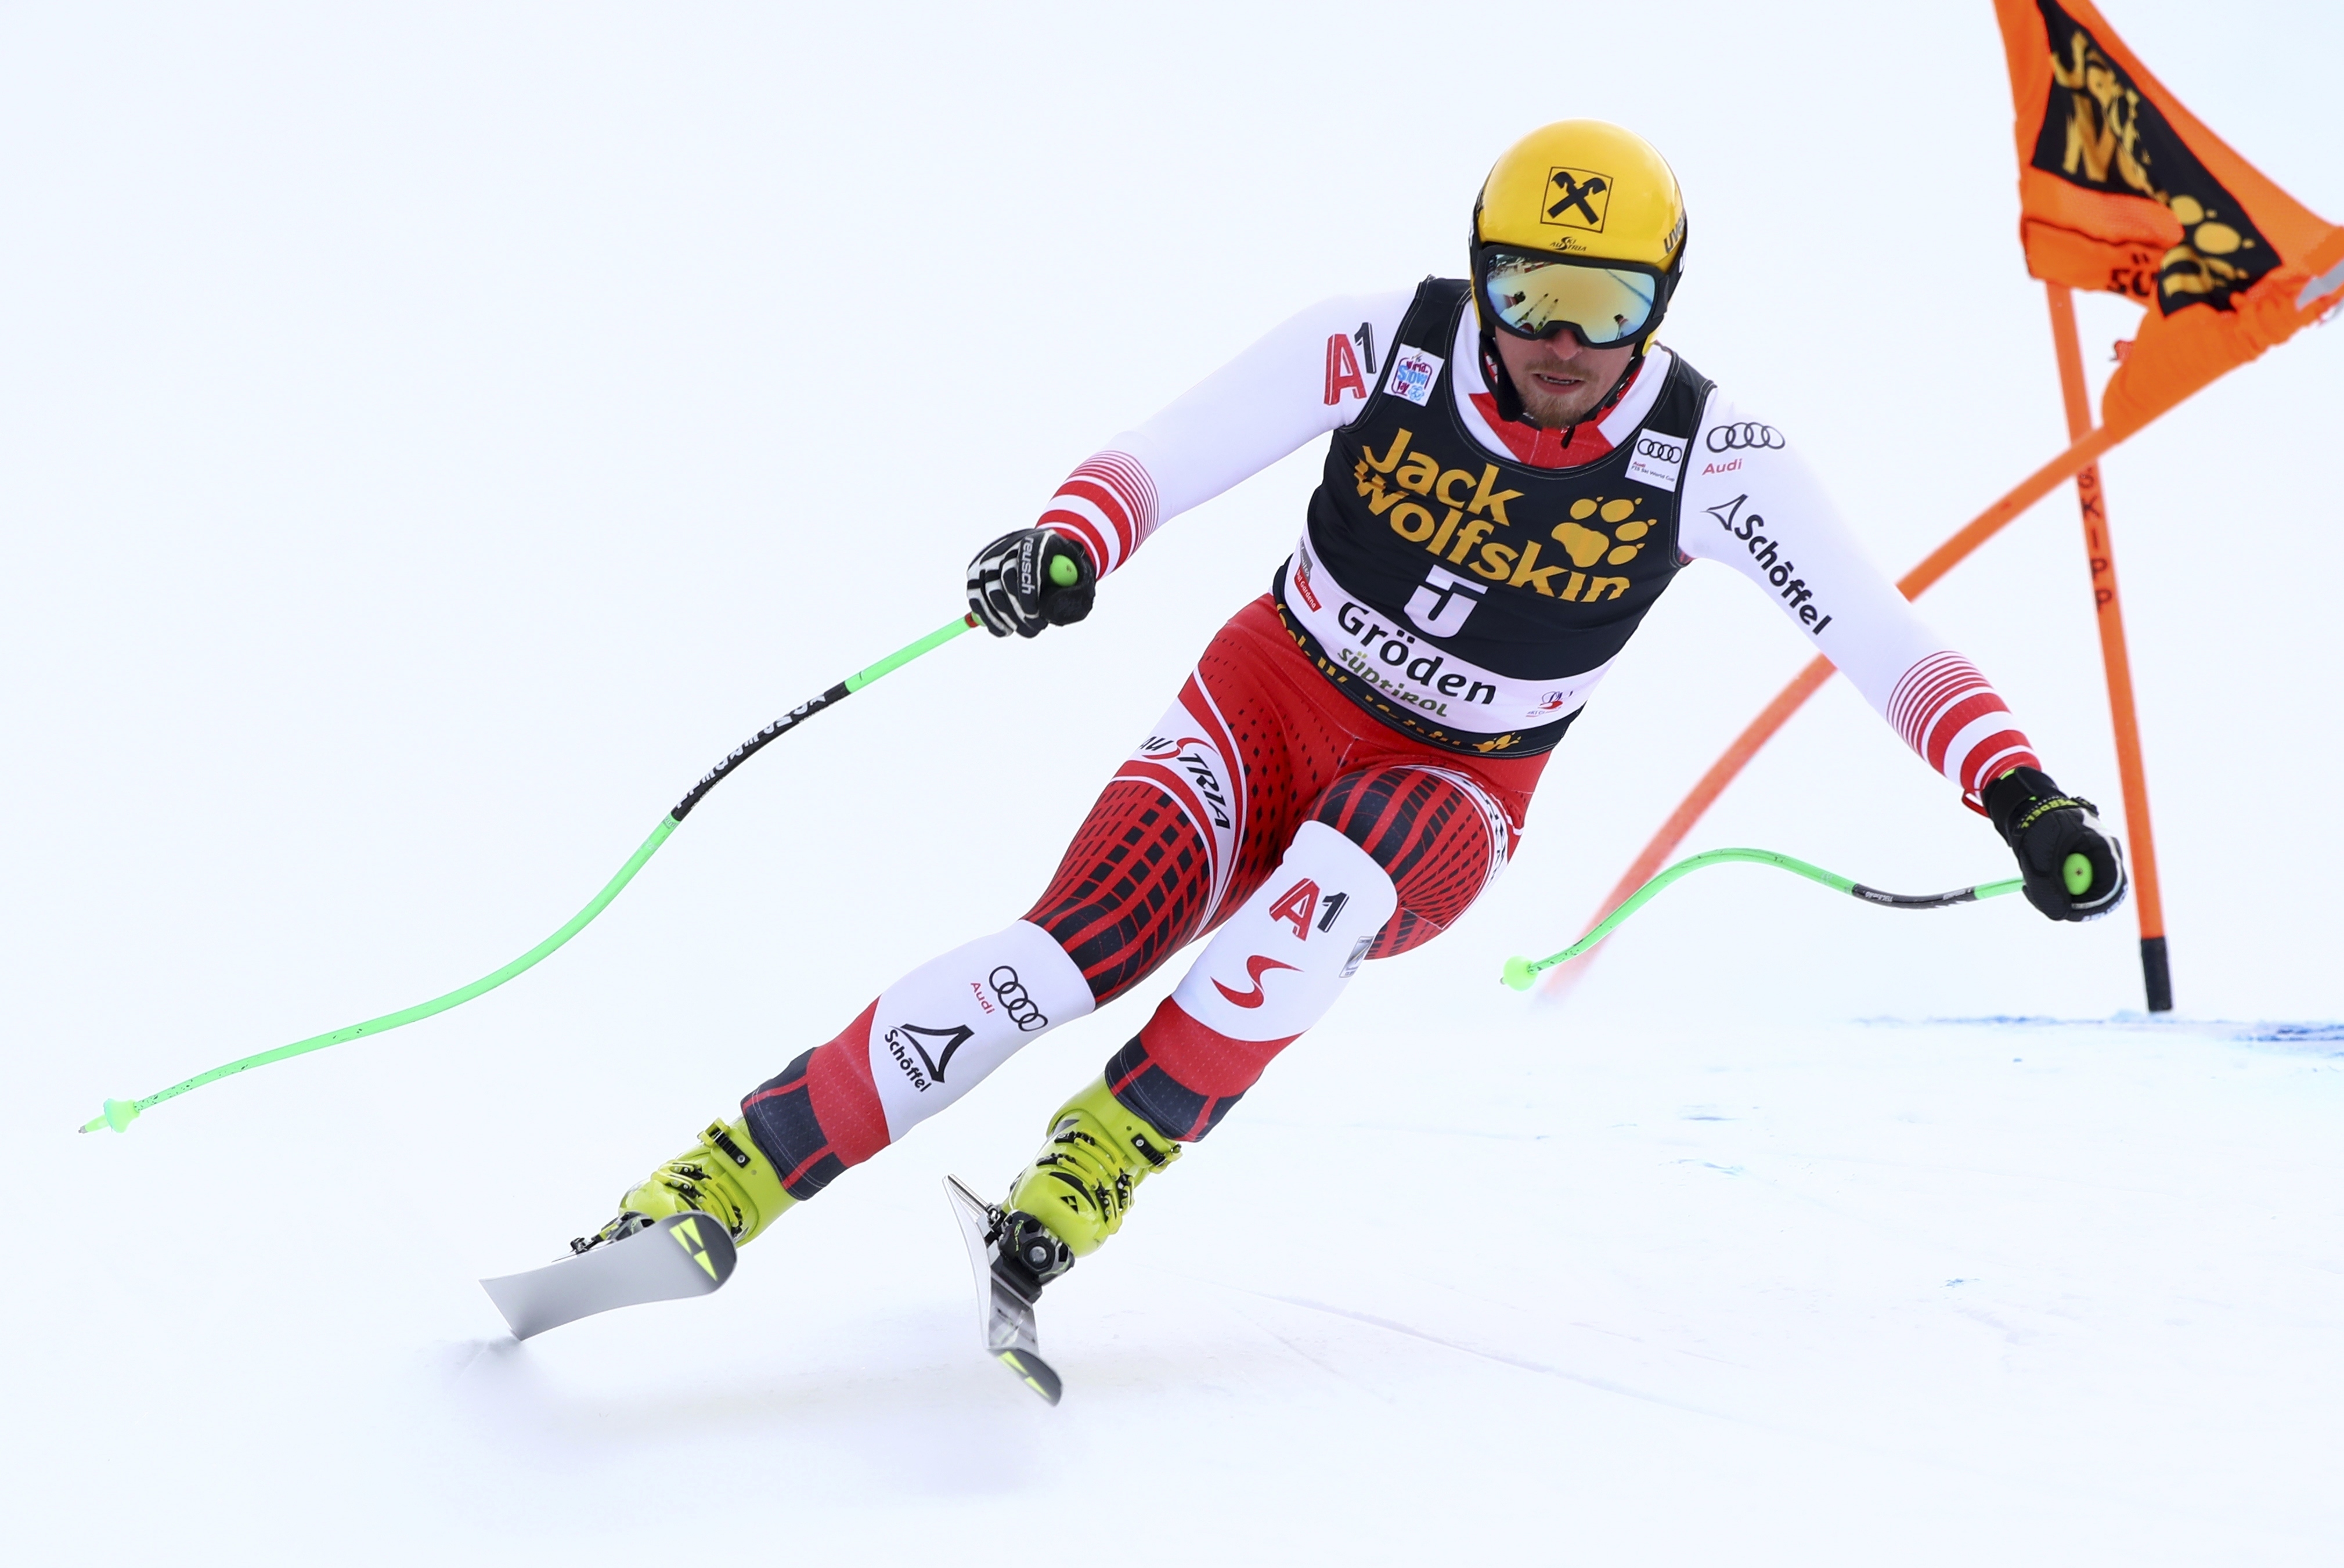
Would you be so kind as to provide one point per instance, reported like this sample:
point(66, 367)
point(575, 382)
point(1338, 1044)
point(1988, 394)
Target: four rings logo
point(1661, 450)
point(1726, 438)
point(1010, 991)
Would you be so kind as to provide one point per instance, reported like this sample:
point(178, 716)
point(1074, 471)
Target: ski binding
point(1006, 1287)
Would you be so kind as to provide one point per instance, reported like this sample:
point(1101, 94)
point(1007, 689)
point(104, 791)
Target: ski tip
point(1033, 1372)
point(632, 1271)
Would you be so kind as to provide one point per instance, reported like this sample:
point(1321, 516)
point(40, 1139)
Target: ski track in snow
point(1680, 1291)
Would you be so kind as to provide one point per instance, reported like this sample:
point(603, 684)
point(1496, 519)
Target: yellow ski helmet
point(1580, 223)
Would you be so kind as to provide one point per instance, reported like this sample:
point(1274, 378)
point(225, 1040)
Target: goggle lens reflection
point(1533, 295)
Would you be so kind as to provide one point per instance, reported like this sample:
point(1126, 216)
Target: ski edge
point(1005, 1315)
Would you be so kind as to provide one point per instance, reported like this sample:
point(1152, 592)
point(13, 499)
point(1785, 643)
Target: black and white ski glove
point(2074, 869)
point(1025, 581)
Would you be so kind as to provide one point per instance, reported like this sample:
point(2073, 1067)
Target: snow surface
point(431, 435)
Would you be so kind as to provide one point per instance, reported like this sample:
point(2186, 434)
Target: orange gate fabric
point(2123, 189)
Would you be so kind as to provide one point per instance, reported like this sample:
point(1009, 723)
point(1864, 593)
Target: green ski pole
point(119, 1114)
point(1521, 972)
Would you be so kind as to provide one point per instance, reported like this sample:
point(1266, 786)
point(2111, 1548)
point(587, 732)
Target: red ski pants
point(1187, 833)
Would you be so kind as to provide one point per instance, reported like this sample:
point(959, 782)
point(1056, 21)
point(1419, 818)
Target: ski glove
point(1025, 581)
point(2056, 837)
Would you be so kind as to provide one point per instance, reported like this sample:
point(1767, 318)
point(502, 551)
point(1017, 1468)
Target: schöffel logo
point(1577, 199)
point(1744, 434)
point(905, 1041)
point(1010, 991)
point(1778, 568)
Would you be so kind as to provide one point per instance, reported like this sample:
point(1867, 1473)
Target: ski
point(1005, 1297)
point(665, 1261)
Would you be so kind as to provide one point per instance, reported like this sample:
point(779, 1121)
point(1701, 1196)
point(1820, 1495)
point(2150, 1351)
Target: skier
point(1518, 470)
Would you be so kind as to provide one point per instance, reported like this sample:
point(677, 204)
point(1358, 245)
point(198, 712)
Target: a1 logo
point(1299, 904)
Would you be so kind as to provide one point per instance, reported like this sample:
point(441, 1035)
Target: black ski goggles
point(1603, 303)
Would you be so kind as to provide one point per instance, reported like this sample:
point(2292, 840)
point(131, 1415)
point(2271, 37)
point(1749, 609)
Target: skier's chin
point(1555, 408)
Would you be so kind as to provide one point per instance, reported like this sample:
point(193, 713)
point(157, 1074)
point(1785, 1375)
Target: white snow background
point(431, 434)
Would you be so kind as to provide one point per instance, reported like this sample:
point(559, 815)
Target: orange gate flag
point(2120, 189)
point(2123, 189)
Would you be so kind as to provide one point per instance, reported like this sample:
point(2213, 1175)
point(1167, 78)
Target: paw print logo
point(1586, 545)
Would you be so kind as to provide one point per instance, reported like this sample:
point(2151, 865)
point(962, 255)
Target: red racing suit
point(1350, 763)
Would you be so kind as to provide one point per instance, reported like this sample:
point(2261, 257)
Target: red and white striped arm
point(1107, 505)
point(1946, 712)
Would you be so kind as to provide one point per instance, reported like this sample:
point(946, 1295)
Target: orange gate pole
point(2100, 547)
point(2085, 451)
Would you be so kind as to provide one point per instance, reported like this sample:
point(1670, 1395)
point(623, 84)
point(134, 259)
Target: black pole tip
point(2155, 974)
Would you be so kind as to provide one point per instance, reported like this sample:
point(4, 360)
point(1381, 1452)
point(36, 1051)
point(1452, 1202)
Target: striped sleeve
point(1960, 725)
point(1108, 506)
point(1753, 504)
point(1308, 376)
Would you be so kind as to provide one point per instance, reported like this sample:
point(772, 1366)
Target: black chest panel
point(1528, 573)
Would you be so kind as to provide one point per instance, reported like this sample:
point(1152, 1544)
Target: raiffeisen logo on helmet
point(1577, 199)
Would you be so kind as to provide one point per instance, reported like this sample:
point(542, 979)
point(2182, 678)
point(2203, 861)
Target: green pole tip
point(1520, 973)
point(2076, 872)
point(118, 1114)
point(1065, 572)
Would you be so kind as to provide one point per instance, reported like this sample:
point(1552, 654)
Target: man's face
point(1561, 379)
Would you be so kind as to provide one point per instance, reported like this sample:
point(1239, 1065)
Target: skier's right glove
point(2047, 830)
point(1025, 581)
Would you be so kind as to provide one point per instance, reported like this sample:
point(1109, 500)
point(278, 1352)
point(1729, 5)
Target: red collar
point(1544, 448)
point(1541, 448)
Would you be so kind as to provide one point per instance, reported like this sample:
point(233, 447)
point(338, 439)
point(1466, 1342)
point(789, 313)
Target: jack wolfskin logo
point(1577, 199)
point(2099, 131)
point(1586, 546)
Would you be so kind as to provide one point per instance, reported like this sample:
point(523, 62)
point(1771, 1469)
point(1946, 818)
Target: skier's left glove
point(1025, 581)
point(2048, 831)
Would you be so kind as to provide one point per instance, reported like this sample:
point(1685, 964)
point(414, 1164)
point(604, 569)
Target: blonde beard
point(1553, 411)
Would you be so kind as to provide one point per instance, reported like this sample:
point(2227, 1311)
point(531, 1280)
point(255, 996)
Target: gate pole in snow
point(2100, 549)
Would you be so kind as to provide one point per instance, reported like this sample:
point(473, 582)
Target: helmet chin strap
point(1508, 398)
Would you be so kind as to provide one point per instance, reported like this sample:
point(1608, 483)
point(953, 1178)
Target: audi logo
point(1725, 438)
point(1011, 992)
point(1659, 450)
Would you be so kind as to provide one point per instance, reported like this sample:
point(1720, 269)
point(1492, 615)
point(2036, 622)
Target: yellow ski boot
point(1080, 1186)
point(724, 1175)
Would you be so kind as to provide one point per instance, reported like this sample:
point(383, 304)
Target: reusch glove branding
point(2046, 830)
point(1033, 578)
